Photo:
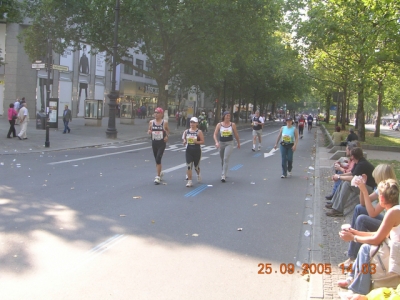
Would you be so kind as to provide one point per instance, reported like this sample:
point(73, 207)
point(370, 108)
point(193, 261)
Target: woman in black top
point(192, 139)
point(159, 132)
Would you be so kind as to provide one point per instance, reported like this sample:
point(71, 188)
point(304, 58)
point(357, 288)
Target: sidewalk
point(327, 246)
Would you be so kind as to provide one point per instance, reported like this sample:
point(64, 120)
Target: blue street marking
point(257, 155)
point(196, 191)
point(237, 167)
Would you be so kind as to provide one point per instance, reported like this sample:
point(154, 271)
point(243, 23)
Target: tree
point(165, 30)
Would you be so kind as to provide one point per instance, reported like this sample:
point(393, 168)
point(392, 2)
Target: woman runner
point(288, 144)
point(192, 139)
point(159, 132)
point(225, 131)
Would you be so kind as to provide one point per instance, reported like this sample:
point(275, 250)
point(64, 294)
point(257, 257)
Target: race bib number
point(157, 135)
point(226, 133)
point(191, 140)
point(286, 139)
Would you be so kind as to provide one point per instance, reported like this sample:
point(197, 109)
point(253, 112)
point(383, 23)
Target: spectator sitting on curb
point(345, 190)
point(337, 137)
point(360, 282)
point(343, 165)
point(366, 217)
point(351, 137)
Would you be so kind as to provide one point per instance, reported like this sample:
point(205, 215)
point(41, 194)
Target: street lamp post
point(111, 131)
point(49, 61)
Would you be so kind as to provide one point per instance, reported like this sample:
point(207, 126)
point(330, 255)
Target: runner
point(159, 132)
point(258, 123)
point(192, 139)
point(310, 119)
point(224, 131)
point(302, 122)
point(288, 144)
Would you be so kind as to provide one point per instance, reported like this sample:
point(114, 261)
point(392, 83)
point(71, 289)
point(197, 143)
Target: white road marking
point(130, 145)
point(96, 156)
point(179, 167)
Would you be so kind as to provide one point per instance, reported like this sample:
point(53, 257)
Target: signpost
point(60, 68)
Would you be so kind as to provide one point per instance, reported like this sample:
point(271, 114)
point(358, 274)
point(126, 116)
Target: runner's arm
point(279, 137)
point(235, 132)
point(201, 137)
point(217, 128)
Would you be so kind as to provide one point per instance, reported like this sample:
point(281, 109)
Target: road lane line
point(96, 156)
point(178, 167)
point(130, 145)
point(196, 191)
point(237, 167)
point(99, 249)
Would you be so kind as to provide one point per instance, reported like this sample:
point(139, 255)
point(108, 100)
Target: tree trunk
point(328, 107)
point(162, 81)
point(377, 132)
point(344, 106)
point(360, 113)
point(217, 117)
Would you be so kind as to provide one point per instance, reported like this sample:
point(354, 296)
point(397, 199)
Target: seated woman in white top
point(389, 199)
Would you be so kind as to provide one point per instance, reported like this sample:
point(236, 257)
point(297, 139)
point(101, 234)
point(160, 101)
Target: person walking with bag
point(23, 117)
point(67, 117)
point(223, 137)
point(12, 116)
point(288, 137)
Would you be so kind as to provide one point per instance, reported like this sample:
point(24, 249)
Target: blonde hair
point(383, 172)
point(389, 190)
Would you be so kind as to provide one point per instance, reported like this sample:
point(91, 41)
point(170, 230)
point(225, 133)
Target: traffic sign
point(60, 68)
point(38, 66)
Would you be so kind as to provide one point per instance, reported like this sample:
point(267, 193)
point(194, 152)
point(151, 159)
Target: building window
point(149, 67)
point(139, 64)
point(128, 68)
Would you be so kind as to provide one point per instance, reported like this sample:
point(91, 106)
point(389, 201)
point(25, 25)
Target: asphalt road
point(91, 224)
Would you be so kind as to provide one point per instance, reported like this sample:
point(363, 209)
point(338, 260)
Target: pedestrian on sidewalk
point(17, 106)
point(337, 136)
point(223, 137)
point(159, 131)
point(12, 116)
point(23, 117)
point(257, 123)
point(288, 138)
point(192, 139)
point(67, 117)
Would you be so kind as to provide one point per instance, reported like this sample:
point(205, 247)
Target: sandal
point(345, 283)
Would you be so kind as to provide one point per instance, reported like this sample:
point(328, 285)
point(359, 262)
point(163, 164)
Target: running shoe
point(259, 148)
point(289, 174)
point(223, 178)
point(253, 149)
point(161, 175)
point(283, 176)
point(189, 183)
point(199, 178)
point(157, 180)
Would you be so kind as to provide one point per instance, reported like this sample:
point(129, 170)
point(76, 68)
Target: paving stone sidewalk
point(334, 250)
